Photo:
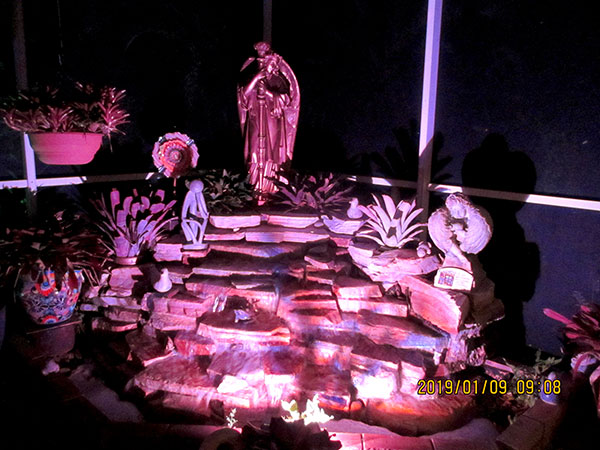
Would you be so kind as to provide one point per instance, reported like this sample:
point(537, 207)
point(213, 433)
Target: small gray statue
point(194, 216)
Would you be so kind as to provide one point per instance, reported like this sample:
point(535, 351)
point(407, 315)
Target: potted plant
point(66, 126)
point(46, 265)
point(392, 228)
point(133, 225)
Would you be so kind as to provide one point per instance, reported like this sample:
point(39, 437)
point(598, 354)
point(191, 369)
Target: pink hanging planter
point(65, 148)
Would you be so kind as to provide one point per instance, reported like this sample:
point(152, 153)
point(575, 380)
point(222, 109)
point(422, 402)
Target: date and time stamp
point(488, 387)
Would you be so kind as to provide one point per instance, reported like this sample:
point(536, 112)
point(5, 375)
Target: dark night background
point(527, 71)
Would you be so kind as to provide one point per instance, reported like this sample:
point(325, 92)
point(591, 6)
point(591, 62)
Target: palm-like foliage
point(323, 193)
point(390, 224)
point(134, 224)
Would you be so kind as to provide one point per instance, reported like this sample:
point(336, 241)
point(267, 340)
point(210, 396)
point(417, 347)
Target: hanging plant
point(66, 126)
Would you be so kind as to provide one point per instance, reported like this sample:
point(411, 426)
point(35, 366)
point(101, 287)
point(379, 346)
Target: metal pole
point(267, 21)
point(20, 56)
point(430, 77)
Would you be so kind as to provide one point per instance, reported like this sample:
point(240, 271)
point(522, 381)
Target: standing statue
point(268, 105)
point(194, 216)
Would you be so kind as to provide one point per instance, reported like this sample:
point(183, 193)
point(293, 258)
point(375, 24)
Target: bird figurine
point(347, 225)
point(342, 226)
point(354, 211)
point(164, 283)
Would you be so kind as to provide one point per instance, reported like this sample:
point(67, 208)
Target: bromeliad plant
point(63, 241)
point(322, 193)
point(133, 224)
point(582, 332)
point(390, 224)
point(226, 191)
point(582, 339)
point(49, 261)
point(83, 109)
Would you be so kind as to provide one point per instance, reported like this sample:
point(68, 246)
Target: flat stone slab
point(109, 300)
point(323, 262)
point(181, 303)
point(104, 324)
point(190, 255)
point(242, 363)
point(171, 322)
point(284, 360)
point(174, 374)
point(121, 314)
point(228, 265)
point(235, 221)
point(414, 415)
point(485, 307)
point(169, 249)
point(217, 234)
point(147, 349)
point(400, 332)
point(320, 276)
point(365, 354)
point(302, 320)
point(388, 305)
point(125, 281)
point(445, 309)
point(341, 240)
point(188, 343)
point(276, 234)
point(331, 386)
point(294, 289)
point(348, 287)
point(259, 289)
point(257, 249)
point(332, 349)
point(265, 328)
point(254, 402)
point(178, 272)
point(290, 220)
point(411, 365)
point(390, 265)
point(123, 277)
point(118, 292)
point(306, 302)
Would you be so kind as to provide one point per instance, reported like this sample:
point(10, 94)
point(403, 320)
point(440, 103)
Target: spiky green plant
point(390, 224)
point(321, 193)
point(136, 223)
point(225, 191)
